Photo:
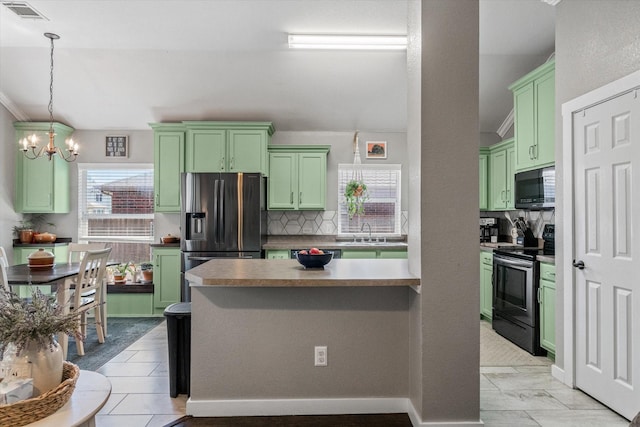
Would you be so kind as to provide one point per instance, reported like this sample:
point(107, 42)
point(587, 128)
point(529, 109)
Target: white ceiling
point(122, 64)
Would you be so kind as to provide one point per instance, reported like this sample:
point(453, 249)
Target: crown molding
point(506, 125)
point(13, 108)
point(551, 2)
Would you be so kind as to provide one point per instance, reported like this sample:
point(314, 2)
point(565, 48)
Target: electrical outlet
point(320, 356)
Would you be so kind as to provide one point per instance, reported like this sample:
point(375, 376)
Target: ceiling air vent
point(24, 10)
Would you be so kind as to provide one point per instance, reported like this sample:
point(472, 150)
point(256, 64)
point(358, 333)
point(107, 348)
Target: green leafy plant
point(146, 266)
point(33, 321)
point(122, 269)
point(355, 195)
point(34, 222)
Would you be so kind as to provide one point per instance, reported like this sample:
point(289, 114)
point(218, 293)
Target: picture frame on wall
point(376, 149)
point(117, 146)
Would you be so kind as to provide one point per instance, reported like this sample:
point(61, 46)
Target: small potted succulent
point(147, 271)
point(120, 272)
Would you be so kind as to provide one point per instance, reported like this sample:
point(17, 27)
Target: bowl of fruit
point(314, 257)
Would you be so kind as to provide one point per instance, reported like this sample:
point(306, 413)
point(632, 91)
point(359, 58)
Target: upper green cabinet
point(483, 168)
point(168, 162)
point(194, 146)
point(227, 146)
point(42, 185)
point(501, 176)
point(534, 108)
point(297, 177)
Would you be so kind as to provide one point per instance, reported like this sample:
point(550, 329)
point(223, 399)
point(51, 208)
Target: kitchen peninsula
point(256, 323)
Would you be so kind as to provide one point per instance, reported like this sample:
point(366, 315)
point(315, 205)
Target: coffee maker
point(489, 228)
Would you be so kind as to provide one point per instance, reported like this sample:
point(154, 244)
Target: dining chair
point(76, 252)
point(90, 278)
point(3, 257)
point(4, 282)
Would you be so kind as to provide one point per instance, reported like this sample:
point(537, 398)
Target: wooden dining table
point(56, 277)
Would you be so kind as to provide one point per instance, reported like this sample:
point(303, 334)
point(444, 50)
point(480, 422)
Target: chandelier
point(29, 145)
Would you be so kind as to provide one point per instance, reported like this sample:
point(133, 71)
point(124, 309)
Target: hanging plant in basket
point(355, 195)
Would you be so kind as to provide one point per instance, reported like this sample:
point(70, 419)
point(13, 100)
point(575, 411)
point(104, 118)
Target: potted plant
point(147, 271)
point(120, 271)
point(27, 334)
point(29, 225)
point(355, 195)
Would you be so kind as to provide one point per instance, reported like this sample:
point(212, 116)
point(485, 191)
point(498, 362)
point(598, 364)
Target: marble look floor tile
point(506, 418)
point(575, 399)
point(485, 384)
point(140, 384)
point(149, 345)
point(127, 369)
point(497, 370)
point(151, 404)
point(112, 402)
point(162, 420)
point(581, 418)
point(530, 369)
point(161, 371)
point(491, 400)
point(525, 381)
point(149, 356)
point(122, 420)
point(123, 357)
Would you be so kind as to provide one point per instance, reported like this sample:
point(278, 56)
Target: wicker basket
point(31, 410)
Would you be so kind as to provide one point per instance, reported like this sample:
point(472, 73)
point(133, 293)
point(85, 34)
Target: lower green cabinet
point(277, 254)
point(486, 285)
point(547, 300)
point(166, 277)
point(374, 253)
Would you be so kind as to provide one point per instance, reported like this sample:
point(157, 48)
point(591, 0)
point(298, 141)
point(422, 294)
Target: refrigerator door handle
point(221, 219)
point(216, 213)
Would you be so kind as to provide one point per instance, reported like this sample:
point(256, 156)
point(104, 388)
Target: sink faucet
point(362, 229)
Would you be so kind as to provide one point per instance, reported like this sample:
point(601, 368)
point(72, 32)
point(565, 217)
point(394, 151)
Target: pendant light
point(29, 145)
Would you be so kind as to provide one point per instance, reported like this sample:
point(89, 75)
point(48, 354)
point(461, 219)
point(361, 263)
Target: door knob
point(578, 264)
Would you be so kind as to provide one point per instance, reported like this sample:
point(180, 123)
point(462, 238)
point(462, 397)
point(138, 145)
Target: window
point(382, 208)
point(115, 206)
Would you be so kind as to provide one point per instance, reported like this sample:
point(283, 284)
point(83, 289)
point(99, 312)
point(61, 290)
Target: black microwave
point(536, 189)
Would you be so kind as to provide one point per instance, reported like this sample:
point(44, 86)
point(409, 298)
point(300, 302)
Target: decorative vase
point(119, 278)
point(45, 364)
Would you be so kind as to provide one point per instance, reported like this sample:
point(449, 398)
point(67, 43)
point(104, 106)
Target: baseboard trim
point(558, 373)
point(276, 407)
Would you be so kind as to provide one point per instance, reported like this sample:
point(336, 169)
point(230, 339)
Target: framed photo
point(376, 149)
point(116, 146)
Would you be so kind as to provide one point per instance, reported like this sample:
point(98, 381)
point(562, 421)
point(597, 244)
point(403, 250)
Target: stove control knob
point(578, 264)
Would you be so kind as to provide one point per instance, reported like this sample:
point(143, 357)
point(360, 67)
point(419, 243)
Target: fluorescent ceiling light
point(336, 41)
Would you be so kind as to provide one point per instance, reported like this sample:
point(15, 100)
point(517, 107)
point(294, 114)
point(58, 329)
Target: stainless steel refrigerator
point(223, 215)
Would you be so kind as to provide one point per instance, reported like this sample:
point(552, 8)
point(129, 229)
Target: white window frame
point(83, 235)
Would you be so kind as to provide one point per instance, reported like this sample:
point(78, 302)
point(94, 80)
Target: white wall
point(8, 217)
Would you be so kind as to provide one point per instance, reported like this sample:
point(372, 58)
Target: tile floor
point(509, 396)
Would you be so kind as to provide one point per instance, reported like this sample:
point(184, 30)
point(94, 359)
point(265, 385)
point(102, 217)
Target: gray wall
point(597, 42)
point(262, 345)
point(9, 146)
point(449, 308)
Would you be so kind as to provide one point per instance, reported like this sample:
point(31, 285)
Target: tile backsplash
point(310, 222)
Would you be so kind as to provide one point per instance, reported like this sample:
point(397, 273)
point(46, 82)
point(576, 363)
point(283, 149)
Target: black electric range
point(529, 254)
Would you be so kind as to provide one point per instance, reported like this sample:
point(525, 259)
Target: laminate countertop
point(289, 273)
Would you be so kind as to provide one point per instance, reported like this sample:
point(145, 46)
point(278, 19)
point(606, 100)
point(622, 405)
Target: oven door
point(514, 290)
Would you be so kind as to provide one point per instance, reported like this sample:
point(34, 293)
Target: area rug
point(495, 350)
point(121, 333)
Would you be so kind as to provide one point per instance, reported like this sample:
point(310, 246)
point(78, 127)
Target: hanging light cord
point(51, 92)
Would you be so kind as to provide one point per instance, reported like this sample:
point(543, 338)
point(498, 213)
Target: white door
point(607, 240)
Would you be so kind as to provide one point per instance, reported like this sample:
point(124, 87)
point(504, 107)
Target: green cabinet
point(42, 185)
point(501, 176)
point(227, 146)
point(166, 277)
point(297, 177)
point(534, 118)
point(374, 254)
point(277, 254)
point(547, 300)
point(483, 168)
point(486, 285)
point(168, 163)
point(21, 253)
